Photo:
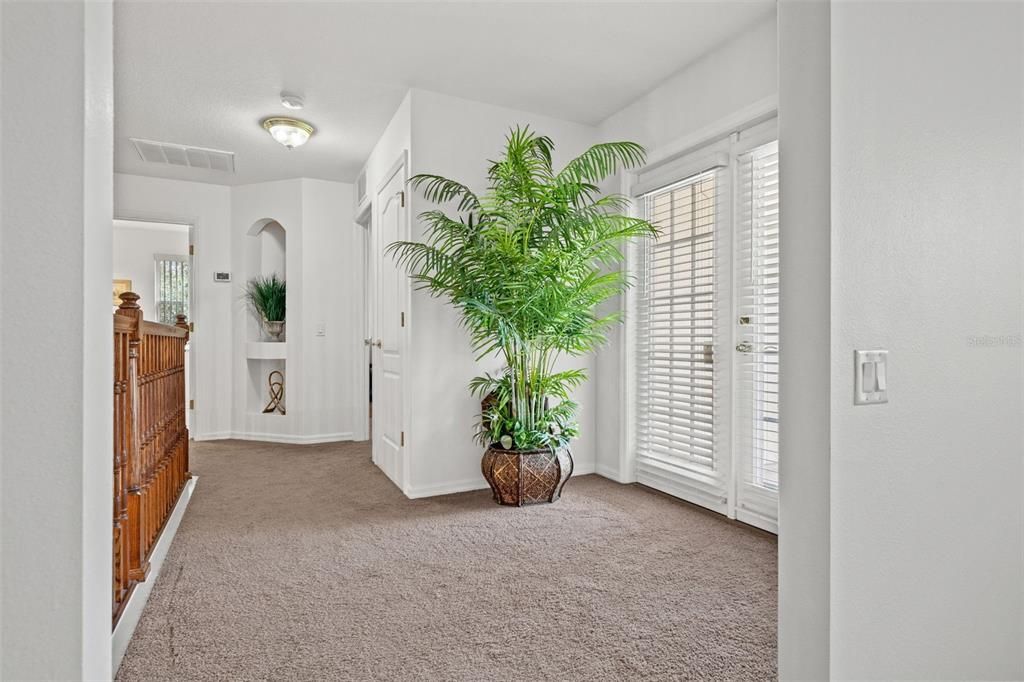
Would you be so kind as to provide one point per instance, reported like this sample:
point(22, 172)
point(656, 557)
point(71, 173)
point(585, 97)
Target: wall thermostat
point(222, 277)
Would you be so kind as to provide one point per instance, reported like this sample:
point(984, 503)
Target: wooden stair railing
point(150, 438)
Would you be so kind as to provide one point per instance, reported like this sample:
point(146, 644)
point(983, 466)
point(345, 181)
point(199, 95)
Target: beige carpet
point(305, 563)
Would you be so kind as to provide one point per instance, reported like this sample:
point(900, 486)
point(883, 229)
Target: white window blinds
point(677, 386)
point(757, 303)
point(172, 284)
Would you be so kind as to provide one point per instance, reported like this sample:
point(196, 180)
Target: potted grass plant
point(266, 298)
point(527, 264)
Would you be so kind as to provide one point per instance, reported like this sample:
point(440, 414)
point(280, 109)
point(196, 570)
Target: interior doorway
point(364, 228)
point(154, 259)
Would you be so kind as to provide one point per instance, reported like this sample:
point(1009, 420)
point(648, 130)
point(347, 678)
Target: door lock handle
point(367, 342)
point(745, 347)
point(378, 343)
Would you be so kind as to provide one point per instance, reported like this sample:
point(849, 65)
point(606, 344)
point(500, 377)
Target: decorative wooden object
point(150, 438)
point(526, 477)
point(276, 393)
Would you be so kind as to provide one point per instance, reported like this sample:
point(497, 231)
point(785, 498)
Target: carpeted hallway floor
point(306, 563)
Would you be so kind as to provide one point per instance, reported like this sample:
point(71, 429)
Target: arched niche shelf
point(271, 255)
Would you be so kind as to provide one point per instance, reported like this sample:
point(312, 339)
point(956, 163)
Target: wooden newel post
point(137, 567)
point(181, 321)
point(130, 305)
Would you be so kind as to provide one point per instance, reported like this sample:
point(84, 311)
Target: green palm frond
point(603, 160)
point(526, 264)
point(440, 190)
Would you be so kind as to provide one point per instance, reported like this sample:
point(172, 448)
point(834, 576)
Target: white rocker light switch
point(870, 377)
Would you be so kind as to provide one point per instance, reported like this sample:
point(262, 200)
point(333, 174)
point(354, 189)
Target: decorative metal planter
point(526, 477)
point(275, 328)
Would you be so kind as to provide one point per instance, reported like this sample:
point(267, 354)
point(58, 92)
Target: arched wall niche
point(266, 254)
point(271, 254)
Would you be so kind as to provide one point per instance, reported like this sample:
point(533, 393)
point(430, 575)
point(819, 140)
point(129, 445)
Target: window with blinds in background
point(757, 333)
point(677, 393)
point(172, 287)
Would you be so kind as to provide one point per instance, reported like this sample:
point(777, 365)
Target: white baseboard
point(140, 595)
point(478, 483)
point(215, 435)
point(583, 469)
point(611, 473)
point(277, 437)
point(447, 488)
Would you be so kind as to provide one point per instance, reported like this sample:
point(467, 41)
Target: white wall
point(55, 343)
point(331, 256)
point(926, 508)
point(804, 386)
point(703, 101)
point(314, 213)
point(726, 80)
point(208, 209)
point(395, 141)
point(455, 137)
point(134, 254)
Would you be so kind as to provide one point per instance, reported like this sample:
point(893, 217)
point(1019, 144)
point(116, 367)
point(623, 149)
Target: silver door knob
point(378, 343)
point(367, 342)
point(745, 347)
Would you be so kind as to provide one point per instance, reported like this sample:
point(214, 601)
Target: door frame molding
point(363, 225)
point(193, 306)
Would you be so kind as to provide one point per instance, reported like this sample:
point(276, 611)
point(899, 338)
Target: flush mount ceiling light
point(291, 132)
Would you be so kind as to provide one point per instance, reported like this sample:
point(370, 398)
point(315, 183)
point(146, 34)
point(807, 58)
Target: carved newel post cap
point(129, 300)
point(181, 321)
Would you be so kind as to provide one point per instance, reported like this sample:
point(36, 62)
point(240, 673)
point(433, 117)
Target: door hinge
point(191, 326)
point(402, 444)
point(401, 199)
point(191, 404)
point(191, 249)
point(403, 319)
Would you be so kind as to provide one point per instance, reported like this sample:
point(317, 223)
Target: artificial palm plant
point(526, 264)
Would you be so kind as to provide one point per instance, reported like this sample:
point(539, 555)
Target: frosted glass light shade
point(290, 132)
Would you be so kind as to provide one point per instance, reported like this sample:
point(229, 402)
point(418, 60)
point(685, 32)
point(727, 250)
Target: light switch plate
point(870, 377)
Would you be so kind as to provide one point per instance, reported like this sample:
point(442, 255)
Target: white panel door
point(391, 296)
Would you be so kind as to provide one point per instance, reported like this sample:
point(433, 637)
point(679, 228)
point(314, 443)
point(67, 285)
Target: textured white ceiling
point(205, 74)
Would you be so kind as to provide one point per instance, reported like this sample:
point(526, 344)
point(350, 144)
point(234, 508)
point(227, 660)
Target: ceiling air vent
point(184, 155)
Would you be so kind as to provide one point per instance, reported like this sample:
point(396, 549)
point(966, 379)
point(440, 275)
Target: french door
point(706, 365)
